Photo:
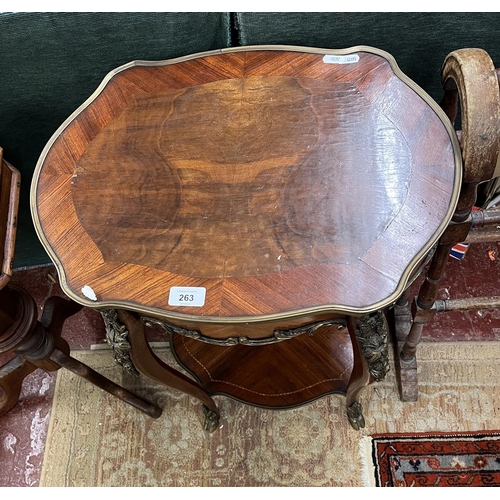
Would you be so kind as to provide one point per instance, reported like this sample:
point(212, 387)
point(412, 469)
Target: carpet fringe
point(367, 468)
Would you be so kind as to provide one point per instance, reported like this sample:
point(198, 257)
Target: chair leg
point(406, 372)
point(422, 311)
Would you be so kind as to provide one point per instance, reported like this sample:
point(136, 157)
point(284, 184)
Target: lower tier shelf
point(285, 374)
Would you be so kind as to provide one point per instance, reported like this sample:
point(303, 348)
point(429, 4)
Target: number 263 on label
point(187, 296)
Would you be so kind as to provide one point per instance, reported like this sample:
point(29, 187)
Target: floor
point(23, 430)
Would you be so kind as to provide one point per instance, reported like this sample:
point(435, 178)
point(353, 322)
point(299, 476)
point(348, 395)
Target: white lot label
point(189, 296)
point(350, 59)
point(89, 293)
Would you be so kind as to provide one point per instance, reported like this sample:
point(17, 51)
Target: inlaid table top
point(247, 183)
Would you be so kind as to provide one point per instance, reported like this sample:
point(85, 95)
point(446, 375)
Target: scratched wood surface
point(276, 181)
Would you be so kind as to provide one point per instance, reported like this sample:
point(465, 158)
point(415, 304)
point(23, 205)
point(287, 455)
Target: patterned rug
point(468, 459)
point(96, 440)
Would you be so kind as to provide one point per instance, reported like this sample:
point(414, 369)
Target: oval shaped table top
point(271, 180)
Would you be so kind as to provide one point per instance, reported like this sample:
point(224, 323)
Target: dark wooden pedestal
point(38, 344)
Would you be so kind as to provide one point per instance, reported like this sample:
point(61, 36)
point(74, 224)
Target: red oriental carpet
point(441, 459)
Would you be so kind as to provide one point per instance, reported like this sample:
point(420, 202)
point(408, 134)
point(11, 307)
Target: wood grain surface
point(282, 375)
point(279, 182)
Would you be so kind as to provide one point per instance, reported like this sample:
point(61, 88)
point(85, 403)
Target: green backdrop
point(52, 62)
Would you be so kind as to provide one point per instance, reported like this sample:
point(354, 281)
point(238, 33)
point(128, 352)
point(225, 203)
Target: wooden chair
point(471, 85)
point(37, 344)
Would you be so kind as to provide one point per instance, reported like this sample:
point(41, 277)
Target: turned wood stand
point(264, 206)
point(36, 343)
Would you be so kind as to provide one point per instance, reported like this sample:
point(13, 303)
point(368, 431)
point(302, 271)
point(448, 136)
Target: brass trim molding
point(278, 335)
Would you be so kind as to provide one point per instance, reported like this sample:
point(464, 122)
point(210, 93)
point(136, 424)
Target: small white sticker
point(187, 296)
point(89, 293)
point(349, 59)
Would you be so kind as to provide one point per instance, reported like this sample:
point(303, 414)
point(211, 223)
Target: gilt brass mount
point(117, 338)
point(371, 333)
point(278, 335)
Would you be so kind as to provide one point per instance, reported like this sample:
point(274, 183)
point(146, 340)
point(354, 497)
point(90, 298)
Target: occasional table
point(264, 206)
